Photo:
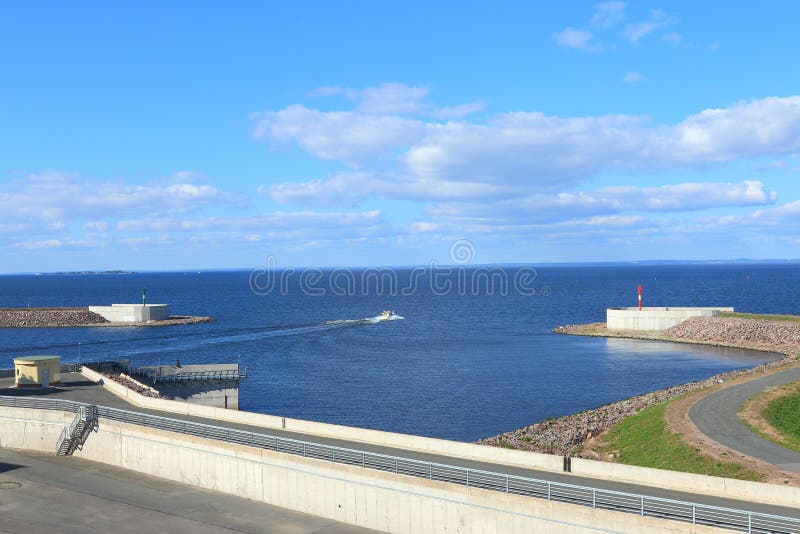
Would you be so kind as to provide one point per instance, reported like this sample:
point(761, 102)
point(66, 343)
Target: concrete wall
point(371, 499)
point(218, 393)
point(458, 449)
point(132, 313)
point(654, 318)
point(708, 485)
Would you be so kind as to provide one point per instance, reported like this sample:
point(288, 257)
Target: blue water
point(462, 364)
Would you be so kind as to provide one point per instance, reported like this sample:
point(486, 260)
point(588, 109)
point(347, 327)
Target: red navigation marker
point(639, 289)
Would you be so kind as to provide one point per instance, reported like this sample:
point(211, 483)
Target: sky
point(200, 135)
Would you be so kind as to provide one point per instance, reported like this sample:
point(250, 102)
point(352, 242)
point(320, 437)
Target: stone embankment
point(72, 317)
point(48, 317)
point(566, 435)
point(133, 384)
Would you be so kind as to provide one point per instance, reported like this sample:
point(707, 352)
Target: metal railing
point(157, 376)
point(644, 505)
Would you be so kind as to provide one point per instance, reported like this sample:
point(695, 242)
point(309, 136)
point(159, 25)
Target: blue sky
point(201, 135)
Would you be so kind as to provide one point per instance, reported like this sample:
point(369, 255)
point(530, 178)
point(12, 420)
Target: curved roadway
point(716, 415)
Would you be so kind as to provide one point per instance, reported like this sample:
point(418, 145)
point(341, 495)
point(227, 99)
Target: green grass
point(761, 316)
point(784, 415)
point(645, 440)
point(505, 444)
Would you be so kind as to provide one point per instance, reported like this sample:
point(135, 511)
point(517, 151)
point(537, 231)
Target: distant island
point(62, 273)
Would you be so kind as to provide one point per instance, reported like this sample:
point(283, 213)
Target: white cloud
point(457, 112)
point(347, 189)
point(673, 37)
point(386, 98)
point(540, 208)
point(571, 37)
point(39, 245)
point(53, 195)
point(100, 226)
point(392, 98)
point(635, 31)
point(633, 77)
point(608, 14)
point(341, 135)
point(523, 152)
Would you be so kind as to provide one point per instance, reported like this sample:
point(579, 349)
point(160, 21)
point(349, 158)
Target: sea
point(469, 354)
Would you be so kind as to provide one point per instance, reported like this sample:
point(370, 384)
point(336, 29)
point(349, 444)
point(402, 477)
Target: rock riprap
point(48, 317)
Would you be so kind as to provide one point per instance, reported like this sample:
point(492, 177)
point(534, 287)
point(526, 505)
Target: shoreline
point(568, 434)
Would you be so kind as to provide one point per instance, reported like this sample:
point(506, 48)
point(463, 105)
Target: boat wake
point(247, 335)
point(179, 342)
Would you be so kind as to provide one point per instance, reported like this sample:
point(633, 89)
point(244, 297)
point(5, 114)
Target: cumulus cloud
point(457, 112)
point(53, 195)
point(682, 197)
point(348, 136)
point(519, 153)
point(349, 188)
point(571, 37)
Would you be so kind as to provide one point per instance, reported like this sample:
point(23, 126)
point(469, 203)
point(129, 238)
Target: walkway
point(77, 388)
point(716, 415)
point(46, 493)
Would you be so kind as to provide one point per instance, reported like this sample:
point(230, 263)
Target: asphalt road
point(42, 493)
point(77, 388)
point(716, 415)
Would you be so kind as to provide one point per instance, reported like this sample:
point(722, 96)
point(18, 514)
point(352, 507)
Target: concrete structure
point(517, 462)
point(132, 313)
point(651, 318)
point(207, 384)
point(37, 371)
point(378, 500)
point(82, 497)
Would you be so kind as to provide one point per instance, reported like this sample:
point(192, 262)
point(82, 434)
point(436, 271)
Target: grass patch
point(645, 440)
point(761, 316)
point(784, 415)
point(506, 445)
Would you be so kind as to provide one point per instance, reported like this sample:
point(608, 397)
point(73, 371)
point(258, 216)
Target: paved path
point(716, 415)
point(46, 493)
point(77, 388)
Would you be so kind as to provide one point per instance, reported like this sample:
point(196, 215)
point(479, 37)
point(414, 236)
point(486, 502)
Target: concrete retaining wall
point(655, 318)
point(132, 313)
point(708, 485)
point(471, 451)
point(371, 499)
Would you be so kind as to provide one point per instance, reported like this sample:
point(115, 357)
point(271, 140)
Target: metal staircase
point(74, 436)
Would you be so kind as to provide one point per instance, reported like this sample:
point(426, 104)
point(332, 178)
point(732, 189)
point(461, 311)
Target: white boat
point(387, 315)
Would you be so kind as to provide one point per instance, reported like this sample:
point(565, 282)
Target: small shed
point(37, 371)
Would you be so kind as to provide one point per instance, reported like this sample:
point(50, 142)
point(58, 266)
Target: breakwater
point(566, 435)
point(48, 317)
point(77, 317)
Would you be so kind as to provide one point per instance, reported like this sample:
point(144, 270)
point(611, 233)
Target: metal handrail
point(158, 376)
point(643, 505)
